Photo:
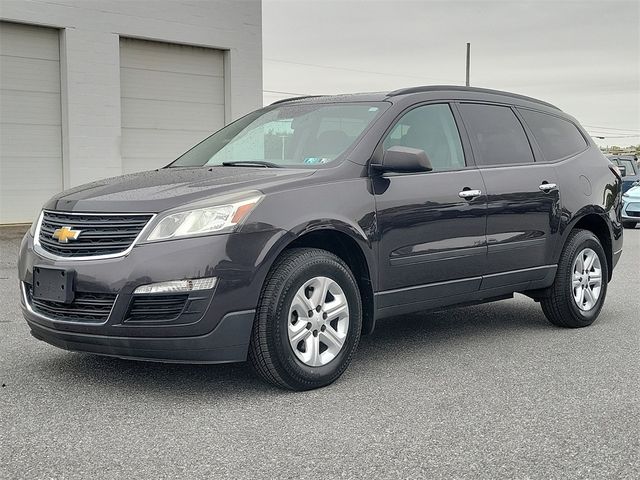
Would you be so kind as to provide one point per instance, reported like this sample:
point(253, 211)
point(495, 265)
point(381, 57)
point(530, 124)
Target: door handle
point(468, 193)
point(547, 187)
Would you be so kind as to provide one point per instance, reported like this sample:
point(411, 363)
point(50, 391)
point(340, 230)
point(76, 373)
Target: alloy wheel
point(586, 279)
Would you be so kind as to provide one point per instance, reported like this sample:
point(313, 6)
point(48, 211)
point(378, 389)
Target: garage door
point(172, 97)
point(30, 132)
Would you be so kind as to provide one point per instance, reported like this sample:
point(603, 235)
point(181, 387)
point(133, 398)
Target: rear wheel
point(629, 224)
point(578, 292)
point(308, 321)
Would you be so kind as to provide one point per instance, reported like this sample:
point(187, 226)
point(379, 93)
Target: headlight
point(34, 225)
point(213, 219)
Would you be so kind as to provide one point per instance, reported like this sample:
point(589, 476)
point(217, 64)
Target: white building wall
point(90, 66)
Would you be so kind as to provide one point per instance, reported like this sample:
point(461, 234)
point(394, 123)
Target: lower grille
point(85, 308)
point(156, 308)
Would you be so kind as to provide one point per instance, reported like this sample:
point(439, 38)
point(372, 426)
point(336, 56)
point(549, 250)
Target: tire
point(629, 224)
point(306, 365)
point(559, 305)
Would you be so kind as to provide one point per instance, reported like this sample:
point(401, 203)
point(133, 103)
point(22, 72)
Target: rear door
point(431, 238)
point(523, 199)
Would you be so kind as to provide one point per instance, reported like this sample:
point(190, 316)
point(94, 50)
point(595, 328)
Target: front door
point(431, 226)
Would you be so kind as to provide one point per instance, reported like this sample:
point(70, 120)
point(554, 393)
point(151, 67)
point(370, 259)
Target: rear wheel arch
point(596, 224)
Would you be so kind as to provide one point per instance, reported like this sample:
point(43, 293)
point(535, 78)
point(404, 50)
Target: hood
point(159, 190)
point(633, 192)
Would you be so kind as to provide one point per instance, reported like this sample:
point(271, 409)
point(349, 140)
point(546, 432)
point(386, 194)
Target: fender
point(279, 240)
point(351, 229)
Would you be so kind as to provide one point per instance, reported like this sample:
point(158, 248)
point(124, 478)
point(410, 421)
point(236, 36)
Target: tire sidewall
point(289, 361)
point(589, 241)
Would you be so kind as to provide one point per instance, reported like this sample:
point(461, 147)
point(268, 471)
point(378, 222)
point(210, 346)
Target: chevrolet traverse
point(285, 236)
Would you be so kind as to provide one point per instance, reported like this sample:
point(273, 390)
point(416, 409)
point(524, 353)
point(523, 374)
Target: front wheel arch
point(351, 252)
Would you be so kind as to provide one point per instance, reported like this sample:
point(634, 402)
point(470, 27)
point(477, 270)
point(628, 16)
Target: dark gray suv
point(285, 236)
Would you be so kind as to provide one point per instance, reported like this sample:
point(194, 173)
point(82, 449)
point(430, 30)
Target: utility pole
point(468, 62)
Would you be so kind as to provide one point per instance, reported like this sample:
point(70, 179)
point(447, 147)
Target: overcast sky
point(583, 56)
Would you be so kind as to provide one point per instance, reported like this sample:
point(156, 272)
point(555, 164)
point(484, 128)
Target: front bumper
point(216, 329)
point(228, 342)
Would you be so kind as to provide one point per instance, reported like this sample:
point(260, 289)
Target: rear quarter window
point(556, 137)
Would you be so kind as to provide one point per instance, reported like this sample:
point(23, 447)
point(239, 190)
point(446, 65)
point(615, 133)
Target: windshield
point(287, 135)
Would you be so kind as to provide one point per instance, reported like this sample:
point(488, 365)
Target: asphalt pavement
point(489, 391)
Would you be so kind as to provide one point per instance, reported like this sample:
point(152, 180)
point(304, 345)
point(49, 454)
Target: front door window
point(431, 128)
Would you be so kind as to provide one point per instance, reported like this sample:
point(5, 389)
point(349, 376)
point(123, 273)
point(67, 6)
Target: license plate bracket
point(53, 284)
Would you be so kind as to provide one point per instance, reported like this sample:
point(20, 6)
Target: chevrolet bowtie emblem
point(64, 234)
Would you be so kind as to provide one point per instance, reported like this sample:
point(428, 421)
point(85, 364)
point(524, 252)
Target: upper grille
point(86, 307)
point(101, 234)
point(156, 308)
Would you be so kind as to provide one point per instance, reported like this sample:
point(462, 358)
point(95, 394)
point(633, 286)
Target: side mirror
point(404, 159)
point(623, 171)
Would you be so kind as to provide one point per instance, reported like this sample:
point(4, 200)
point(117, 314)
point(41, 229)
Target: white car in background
point(631, 206)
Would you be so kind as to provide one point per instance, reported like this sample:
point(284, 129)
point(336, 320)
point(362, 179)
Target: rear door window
point(556, 137)
point(497, 133)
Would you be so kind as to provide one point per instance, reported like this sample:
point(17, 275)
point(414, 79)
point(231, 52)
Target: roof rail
point(290, 99)
point(459, 88)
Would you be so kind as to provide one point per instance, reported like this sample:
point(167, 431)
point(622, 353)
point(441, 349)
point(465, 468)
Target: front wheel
point(578, 292)
point(308, 321)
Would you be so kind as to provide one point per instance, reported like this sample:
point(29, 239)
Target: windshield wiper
point(250, 163)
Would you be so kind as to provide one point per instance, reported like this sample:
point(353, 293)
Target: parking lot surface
point(489, 391)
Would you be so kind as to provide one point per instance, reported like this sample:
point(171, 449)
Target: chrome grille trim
point(126, 246)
